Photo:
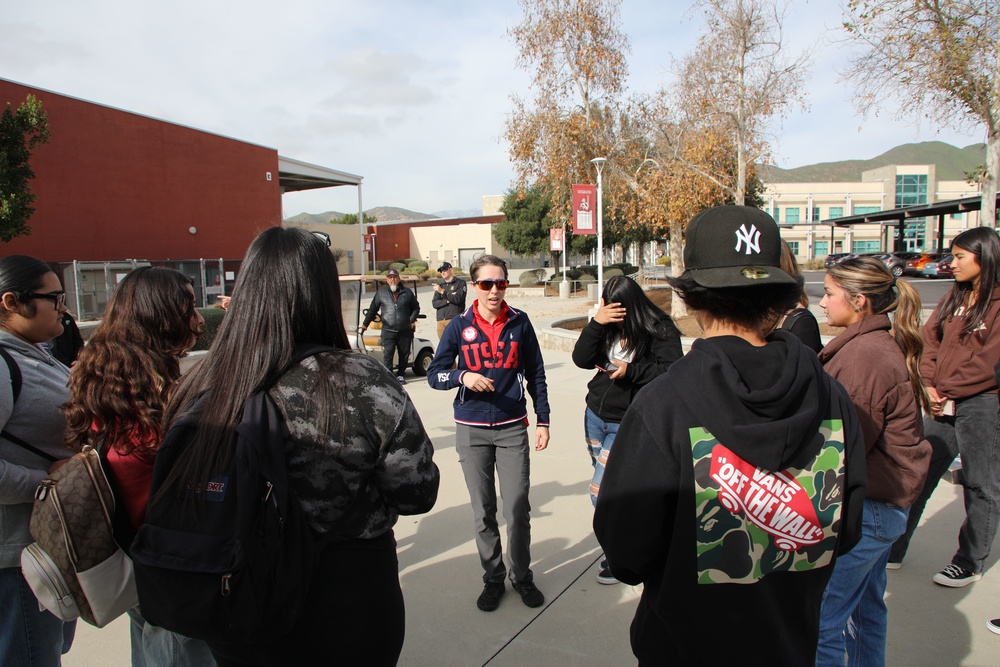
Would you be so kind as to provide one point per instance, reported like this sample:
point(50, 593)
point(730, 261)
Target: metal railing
point(89, 285)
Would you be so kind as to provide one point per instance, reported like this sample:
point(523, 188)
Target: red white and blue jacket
point(516, 361)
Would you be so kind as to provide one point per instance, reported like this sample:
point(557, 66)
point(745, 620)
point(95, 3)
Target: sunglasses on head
point(487, 285)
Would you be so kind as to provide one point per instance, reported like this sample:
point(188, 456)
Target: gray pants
point(505, 450)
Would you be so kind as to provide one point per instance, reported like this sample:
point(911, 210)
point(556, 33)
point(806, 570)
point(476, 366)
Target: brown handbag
point(75, 567)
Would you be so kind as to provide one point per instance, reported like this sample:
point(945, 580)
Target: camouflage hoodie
point(376, 465)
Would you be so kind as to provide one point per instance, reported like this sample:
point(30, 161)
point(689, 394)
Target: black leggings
point(353, 616)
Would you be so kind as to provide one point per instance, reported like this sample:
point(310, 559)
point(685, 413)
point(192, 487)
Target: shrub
point(429, 274)
point(213, 318)
point(663, 261)
point(382, 267)
point(586, 279)
point(417, 267)
point(399, 266)
point(571, 274)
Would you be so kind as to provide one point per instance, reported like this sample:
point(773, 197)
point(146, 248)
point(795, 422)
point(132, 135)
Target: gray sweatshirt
point(36, 419)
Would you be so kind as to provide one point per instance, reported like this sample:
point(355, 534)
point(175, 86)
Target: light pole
point(599, 163)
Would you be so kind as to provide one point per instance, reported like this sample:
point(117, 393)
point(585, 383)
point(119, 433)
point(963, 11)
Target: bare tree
point(739, 78)
point(939, 60)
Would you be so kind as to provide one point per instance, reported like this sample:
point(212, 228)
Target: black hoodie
point(736, 479)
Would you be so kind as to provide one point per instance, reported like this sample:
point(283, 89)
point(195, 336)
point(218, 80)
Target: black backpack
point(233, 563)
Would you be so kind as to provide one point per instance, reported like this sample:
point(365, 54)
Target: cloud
point(411, 95)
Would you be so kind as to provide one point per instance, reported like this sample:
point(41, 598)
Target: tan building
point(816, 205)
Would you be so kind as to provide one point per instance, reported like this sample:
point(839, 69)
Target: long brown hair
point(869, 277)
point(123, 378)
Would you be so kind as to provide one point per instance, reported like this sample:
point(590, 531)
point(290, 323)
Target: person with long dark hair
point(961, 349)
point(743, 474)
point(118, 392)
point(357, 454)
point(876, 360)
point(629, 341)
point(32, 302)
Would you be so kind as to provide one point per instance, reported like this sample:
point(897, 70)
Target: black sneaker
point(604, 576)
point(489, 599)
point(956, 576)
point(530, 596)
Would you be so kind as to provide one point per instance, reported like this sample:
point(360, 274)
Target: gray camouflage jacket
point(375, 465)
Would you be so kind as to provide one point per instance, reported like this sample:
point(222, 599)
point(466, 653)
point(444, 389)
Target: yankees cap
point(733, 246)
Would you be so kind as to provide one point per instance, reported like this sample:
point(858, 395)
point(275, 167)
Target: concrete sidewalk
point(584, 623)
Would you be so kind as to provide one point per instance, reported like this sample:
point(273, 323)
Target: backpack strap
point(15, 372)
point(15, 385)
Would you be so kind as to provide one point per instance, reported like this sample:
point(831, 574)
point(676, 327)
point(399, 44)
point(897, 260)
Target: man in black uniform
point(399, 310)
point(449, 297)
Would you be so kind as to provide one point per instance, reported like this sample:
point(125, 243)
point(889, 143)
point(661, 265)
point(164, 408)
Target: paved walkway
point(583, 623)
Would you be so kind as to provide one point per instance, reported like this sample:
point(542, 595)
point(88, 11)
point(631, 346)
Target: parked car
point(915, 267)
point(939, 269)
point(896, 261)
point(836, 258)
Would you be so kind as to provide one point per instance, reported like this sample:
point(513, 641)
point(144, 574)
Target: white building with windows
point(806, 211)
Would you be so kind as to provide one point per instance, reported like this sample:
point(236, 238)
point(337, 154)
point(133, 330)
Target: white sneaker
point(993, 626)
point(893, 565)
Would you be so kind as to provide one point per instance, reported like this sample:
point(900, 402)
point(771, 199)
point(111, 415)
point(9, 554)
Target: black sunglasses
point(487, 285)
point(57, 298)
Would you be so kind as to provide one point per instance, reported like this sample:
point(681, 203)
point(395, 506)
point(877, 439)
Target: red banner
point(368, 242)
point(555, 239)
point(584, 209)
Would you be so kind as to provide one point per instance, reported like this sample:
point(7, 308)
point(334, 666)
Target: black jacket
point(609, 399)
point(452, 302)
point(398, 311)
point(736, 479)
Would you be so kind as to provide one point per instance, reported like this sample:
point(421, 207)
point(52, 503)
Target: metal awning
point(295, 176)
point(891, 215)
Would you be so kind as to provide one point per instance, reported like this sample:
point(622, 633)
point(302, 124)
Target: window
point(862, 210)
point(821, 248)
point(794, 246)
point(836, 212)
point(777, 214)
point(911, 189)
point(956, 216)
point(864, 246)
point(791, 215)
point(815, 215)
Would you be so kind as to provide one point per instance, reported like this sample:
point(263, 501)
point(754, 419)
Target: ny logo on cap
point(751, 238)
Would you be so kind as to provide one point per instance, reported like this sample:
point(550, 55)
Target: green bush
point(213, 319)
point(416, 267)
point(428, 274)
point(399, 266)
point(611, 273)
point(663, 261)
point(586, 279)
point(571, 274)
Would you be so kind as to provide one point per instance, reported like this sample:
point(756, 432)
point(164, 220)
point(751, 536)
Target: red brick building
point(115, 185)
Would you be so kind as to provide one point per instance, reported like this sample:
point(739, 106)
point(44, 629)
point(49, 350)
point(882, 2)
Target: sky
point(410, 95)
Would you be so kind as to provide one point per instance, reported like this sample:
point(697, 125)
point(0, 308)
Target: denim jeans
point(29, 637)
point(973, 433)
point(153, 646)
point(600, 436)
point(853, 615)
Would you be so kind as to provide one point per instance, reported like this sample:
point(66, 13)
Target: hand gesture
point(609, 313)
point(477, 382)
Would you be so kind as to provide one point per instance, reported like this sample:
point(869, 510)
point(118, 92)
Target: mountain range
point(952, 165)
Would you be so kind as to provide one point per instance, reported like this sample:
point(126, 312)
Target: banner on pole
point(584, 206)
point(368, 242)
point(555, 239)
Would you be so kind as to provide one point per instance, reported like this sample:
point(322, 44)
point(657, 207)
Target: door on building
point(467, 255)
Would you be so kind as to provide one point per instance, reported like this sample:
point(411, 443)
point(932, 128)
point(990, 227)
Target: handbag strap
point(15, 385)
